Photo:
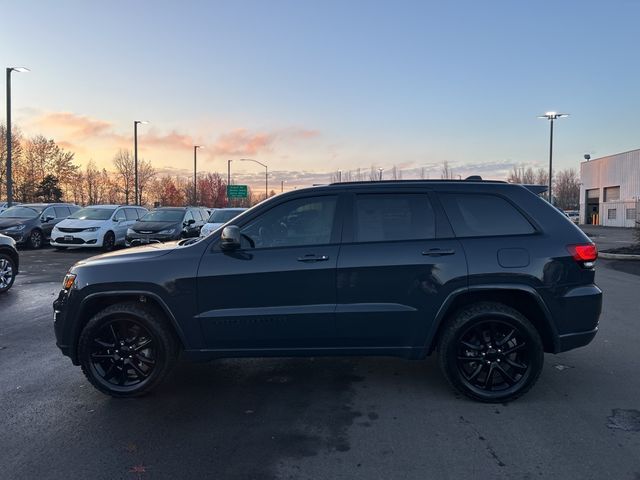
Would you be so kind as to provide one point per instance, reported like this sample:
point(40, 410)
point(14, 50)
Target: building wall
point(621, 170)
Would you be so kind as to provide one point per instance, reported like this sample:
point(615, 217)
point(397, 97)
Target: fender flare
point(429, 344)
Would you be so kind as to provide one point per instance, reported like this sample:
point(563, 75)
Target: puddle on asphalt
point(627, 420)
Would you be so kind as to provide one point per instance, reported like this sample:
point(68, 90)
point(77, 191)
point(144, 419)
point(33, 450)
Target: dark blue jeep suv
point(486, 274)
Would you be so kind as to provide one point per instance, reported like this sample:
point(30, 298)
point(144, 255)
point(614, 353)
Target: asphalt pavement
point(316, 418)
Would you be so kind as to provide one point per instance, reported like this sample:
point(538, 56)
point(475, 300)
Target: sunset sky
point(309, 87)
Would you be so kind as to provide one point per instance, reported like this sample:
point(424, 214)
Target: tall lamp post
point(380, 171)
point(9, 161)
point(135, 154)
point(195, 172)
point(266, 175)
point(551, 116)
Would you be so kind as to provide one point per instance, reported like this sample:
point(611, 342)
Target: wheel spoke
point(123, 376)
point(138, 369)
point(142, 345)
point(103, 343)
point(145, 360)
point(101, 355)
point(114, 334)
point(475, 373)
point(515, 364)
point(471, 345)
point(487, 380)
point(514, 349)
point(468, 359)
point(506, 338)
point(109, 374)
point(505, 375)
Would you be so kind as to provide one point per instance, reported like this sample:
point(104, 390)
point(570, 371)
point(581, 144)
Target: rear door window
point(131, 214)
point(389, 217)
point(481, 215)
point(62, 212)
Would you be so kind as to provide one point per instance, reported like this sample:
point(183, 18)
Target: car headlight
point(130, 232)
point(16, 228)
point(92, 229)
point(169, 231)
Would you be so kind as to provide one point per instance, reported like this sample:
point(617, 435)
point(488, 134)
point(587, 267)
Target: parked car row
point(107, 226)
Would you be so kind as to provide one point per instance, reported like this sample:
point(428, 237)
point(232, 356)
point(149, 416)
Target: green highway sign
point(237, 191)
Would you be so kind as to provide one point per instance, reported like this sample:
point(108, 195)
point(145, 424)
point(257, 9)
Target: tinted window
point(120, 216)
point(131, 213)
point(223, 215)
point(393, 217)
point(306, 221)
point(92, 213)
point(188, 216)
point(61, 212)
point(474, 215)
point(21, 212)
point(163, 216)
point(49, 212)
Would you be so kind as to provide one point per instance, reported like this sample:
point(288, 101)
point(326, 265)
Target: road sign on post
point(237, 191)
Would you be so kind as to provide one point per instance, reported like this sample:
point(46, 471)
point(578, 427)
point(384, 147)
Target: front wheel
point(7, 272)
point(108, 242)
point(491, 352)
point(35, 239)
point(126, 350)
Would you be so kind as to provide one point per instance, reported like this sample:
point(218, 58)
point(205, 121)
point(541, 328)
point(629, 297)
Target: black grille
point(71, 230)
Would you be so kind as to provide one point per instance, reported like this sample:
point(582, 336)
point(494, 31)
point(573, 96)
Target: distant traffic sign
point(237, 191)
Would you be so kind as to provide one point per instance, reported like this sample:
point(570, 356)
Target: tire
point(491, 353)
point(7, 272)
point(109, 241)
point(127, 349)
point(35, 239)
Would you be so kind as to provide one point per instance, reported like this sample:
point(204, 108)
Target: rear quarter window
point(482, 215)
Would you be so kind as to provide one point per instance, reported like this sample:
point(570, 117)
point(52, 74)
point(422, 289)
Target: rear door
point(397, 265)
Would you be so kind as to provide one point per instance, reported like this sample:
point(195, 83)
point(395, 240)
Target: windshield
point(93, 214)
point(223, 216)
point(163, 216)
point(21, 212)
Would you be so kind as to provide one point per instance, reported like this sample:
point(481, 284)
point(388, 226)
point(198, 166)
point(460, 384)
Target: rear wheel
point(126, 350)
point(7, 272)
point(35, 239)
point(491, 352)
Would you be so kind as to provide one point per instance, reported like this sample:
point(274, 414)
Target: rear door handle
point(439, 252)
point(313, 258)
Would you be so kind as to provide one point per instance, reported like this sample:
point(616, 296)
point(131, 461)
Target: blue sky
point(322, 85)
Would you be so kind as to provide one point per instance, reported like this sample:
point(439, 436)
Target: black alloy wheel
point(108, 242)
point(127, 349)
point(35, 239)
point(491, 353)
point(123, 354)
point(7, 272)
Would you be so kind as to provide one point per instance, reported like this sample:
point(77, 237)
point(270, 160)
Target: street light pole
point(228, 180)
point(266, 175)
point(380, 171)
point(551, 116)
point(135, 156)
point(9, 151)
point(195, 172)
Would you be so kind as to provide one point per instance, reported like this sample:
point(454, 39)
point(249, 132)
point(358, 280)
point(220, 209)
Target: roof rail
point(474, 178)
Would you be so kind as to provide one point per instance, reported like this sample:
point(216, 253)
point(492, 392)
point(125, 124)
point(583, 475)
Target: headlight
point(16, 228)
point(130, 232)
point(69, 281)
point(92, 229)
point(169, 231)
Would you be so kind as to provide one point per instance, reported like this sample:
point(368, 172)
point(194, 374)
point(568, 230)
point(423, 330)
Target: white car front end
point(78, 233)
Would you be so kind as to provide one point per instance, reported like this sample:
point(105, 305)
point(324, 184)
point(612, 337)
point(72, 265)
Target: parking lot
point(322, 418)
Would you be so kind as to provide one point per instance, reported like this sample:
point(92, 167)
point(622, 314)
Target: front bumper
point(19, 236)
point(146, 238)
point(76, 239)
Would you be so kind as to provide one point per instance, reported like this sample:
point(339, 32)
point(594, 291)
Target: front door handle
point(439, 252)
point(313, 258)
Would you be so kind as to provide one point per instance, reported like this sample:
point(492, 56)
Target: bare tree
point(123, 161)
point(542, 177)
point(567, 189)
point(146, 172)
point(447, 172)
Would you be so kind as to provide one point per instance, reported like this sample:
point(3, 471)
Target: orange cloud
point(75, 126)
point(242, 142)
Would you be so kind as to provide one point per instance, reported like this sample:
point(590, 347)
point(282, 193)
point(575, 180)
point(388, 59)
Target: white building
point(610, 190)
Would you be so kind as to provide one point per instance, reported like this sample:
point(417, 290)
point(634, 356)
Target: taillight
point(585, 253)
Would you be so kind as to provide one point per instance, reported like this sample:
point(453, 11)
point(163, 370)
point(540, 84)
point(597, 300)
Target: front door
point(278, 290)
point(394, 272)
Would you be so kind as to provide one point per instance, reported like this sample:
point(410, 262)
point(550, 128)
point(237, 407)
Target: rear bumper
point(577, 314)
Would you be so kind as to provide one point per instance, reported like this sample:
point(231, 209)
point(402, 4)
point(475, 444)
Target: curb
point(618, 256)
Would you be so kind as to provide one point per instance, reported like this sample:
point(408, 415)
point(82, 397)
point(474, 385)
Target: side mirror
point(48, 218)
point(191, 221)
point(230, 238)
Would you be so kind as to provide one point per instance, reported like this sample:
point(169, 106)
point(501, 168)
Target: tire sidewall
point(469, 318)
point(108, 248)
point(13, 272)
point(32, 244)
